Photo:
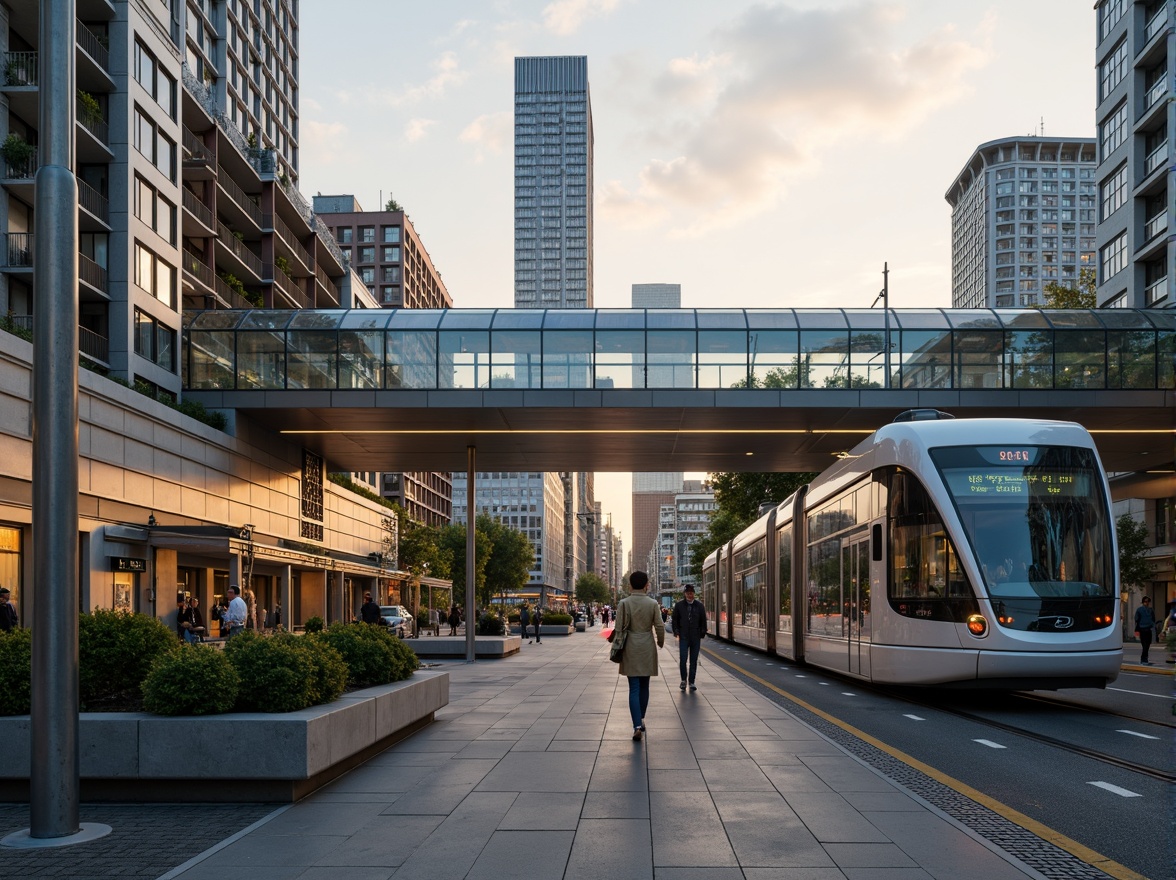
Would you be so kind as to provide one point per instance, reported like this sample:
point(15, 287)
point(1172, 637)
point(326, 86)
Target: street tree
point(1134, 568)
point(590, 587)
point(452, 540)
point(511, 557)
point(1078, 296)
point(417, 551)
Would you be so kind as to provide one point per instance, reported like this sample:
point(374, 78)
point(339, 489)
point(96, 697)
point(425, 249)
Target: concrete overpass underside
point(611, 430)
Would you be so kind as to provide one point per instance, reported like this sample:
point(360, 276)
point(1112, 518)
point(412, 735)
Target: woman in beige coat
point(639, 617)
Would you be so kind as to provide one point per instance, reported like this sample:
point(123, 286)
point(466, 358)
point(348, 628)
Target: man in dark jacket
point(369, 611)
point(689, 624)
point(8, 616)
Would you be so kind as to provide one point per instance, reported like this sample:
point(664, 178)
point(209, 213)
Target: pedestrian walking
point(234, 616)
point(8, 616)
point(537, 619)
point(524, 621)
point(454, 620)
point(638, 619)
point(689, 625)
point(1145, 628)
point(369, 611)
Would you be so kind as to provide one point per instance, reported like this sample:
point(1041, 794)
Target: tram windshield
point(1036, 518)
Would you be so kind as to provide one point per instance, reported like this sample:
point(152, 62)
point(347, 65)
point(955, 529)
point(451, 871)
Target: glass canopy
point(679, 348)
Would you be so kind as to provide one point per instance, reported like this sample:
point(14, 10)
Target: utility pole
point(884, 296)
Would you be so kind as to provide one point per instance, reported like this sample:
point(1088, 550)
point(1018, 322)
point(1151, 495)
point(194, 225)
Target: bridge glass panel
point(770, 319)
point(1072, 319)
point(669, 360)
point(518, 319)
point(361, 358)
point(312, 357)
point(411, 360)
point(620, 359)
point(515, 357)
point(924, 358)
point(721, 319)
point(316, 320)
point(824, 358)
point(971, 319)
point(774, 357)
point(920, 319)
point(261, 359)
point(1028, 358)
point(567, 358)
point(867, 358)
point(667, 319)
point(1080, 358)
point(722, 358)
point(211, 353)
point(977, 358)
point(463, 359)
point(1131, 359)
point(415, 319)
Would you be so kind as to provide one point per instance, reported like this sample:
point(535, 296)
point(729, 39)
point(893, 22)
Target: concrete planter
point(545, 630)
point(485, 647)
point(240, 756)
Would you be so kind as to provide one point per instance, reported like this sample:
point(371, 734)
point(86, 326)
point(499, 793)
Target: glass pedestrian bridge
point(962, 349)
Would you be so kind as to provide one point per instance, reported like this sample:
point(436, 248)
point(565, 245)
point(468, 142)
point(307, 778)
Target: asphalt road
point(1116, 811)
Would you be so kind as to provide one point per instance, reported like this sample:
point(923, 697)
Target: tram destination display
point(1036, 482)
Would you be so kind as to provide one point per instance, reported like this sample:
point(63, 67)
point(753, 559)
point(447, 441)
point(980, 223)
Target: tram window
point(784, 579)
point(924, 564)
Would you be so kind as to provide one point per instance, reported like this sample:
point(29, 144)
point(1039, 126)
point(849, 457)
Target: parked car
point(397, 619)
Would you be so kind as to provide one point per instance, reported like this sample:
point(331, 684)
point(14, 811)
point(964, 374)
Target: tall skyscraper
point(1136, 116)
point(1023, 215)
point(657, 296)
point(553, 183)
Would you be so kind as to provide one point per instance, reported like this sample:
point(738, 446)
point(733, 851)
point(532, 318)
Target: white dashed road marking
point(990, 744)
point(847, 694)
point(914, 717)
point(1140, 735)
point(1114, 789)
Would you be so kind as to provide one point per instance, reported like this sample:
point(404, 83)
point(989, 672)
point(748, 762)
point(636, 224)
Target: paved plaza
point(531, 772)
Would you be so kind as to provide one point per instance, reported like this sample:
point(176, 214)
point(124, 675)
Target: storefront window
point(10, 564)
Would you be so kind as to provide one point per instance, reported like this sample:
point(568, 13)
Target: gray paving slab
point(687, 831)
point(868, 855)
point(796, 874)
point(832, 819)
point(941, 849)
point(385, 842)
point(607, 849)
point(523, 855)
point(544, 811)
point(616, 805)
point(764, 831)
point(455, 845)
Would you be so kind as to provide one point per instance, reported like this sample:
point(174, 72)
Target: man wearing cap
point(8, 616)
point(235, 616)
point(369, 611)
point(689, 622)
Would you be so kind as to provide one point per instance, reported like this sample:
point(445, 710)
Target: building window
point(367, 274)
point(1108, 16)
point(157, 83)
point(392, 274)
point(367, 255)
point(1114, 257)
point(1114, 190)
point(367, 233)
point(391, 234)
point(1113, 129)
point(155, 276)
point(155, 341)
point(343, 234)
point(1113, 69)
point(154, 145)
point(154, 210)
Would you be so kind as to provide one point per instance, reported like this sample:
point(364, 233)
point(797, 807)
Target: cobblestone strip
point(1041, 855)
point(147, 840)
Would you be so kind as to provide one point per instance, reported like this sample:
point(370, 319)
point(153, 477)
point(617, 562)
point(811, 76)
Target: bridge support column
point(471, 580)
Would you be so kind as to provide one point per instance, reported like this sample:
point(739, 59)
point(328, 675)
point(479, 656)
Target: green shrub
point(275, 675)
point(116, 651)
point(490, 624)
point(422, 619)
point(371, 653)
point(406, 660)
point(330, 672)
point(557, 618)
point(315, 625)
point(514, 617)
point(16, 651)
point(195, 680)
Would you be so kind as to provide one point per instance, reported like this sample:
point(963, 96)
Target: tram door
point(855, 599)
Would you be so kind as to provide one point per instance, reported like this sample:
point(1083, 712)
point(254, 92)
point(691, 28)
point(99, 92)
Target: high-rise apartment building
point(187, 164)
point(392, 264)
point(1023, 215)
point(1136, 130)
point(553, 183)
point(657, 296)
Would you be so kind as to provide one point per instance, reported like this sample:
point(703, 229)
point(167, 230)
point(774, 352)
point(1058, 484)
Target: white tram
point(940, 552)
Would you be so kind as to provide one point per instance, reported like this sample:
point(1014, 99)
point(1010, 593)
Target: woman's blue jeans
point(638, 698)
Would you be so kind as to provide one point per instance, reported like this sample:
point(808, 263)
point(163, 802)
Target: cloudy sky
point(760, 154)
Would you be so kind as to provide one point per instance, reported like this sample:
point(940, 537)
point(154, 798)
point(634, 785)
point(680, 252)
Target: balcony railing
point(93, 201)
point(25, 170)
point(325, 236)
point(96, 125)
point(230, 297)
point(1156, 92)
point(197, 208)
point(327, 284)
point(19, 250)
point(240, 198)
point(199, 91)
point(274, 222)
point(1156, 158)
point(92, 344)
point(195, 148)
point(93, 47)
point(1156, 225)
point(1156, 23)
point(246, 256)
point(1156, 291)
point(91, 273)
point(283, 282)
point(20, 68)
point(198, 270)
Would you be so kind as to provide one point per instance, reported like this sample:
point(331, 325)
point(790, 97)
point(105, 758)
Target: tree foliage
point(452, 540)
point(510, 560)
point(1134, 569)
point(590, 587)
point(392, 205)
point(1079, 296)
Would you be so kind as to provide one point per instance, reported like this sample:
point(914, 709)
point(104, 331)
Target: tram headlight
point(977, 625)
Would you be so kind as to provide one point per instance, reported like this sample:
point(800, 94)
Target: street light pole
point(884, 295)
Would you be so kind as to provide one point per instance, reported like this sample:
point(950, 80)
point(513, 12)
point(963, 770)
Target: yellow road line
point(1097, 860)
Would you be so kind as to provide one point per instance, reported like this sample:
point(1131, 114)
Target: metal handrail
point(195, 147)
point(1157, 91)
point(325, 236)
point(197, 208)
point(19, 250)
point(238, 195)
point(93, 344)
point(20, 69)
point(25, 170)
point(287, 235)
point(93, 47)
point(225, 236)
point(230, 296)
point(327, 284)
point(199, 91)
point(1156, 23)
point(283, 282)
point(93, 201)
point(198, 270)
point(97, 126)
point(1156, 158)
point(1155, 225)
point(92, 273)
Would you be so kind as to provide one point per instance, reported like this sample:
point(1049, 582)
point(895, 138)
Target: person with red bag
point(638, 619)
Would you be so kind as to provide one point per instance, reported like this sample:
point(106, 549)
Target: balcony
point(93, 202)
point(18, 250)
point(328, 240)
point(89, 43)
point(1156, 91)
point(239, 197)
point(288, 238)
point(289, 289)
point(229, 297)
point(237, 248)
point(1157, 158)
point(199, 91)
point(1156, 225)
point(1155, 292)
point(198, 161)
point(19, 176)
point(201, 212)
point(92, 275)
point(328, 286)
point(199, 271)
point(94, 345)
point(20, 69)
point(1156, 23)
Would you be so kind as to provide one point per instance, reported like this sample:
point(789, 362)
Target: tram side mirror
point(876, 541)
